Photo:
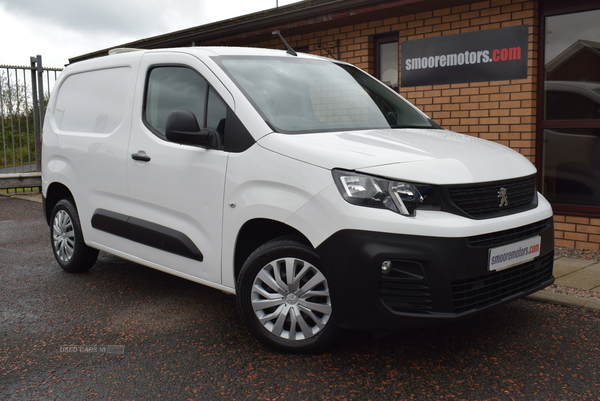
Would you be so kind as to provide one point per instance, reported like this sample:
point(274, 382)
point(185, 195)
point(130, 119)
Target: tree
point(17, 140)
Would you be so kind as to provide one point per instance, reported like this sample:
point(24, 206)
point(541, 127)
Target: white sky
point(60, 29)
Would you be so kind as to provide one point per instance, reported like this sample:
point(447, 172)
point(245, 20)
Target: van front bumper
point(432, 281)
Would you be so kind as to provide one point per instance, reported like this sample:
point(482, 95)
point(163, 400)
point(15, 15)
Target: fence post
point(37, 89)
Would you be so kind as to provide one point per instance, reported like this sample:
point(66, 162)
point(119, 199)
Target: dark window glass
point(572, 166)
point(572, 66)
point(174, 88)
point(566, 102)
point(570, 126)
point(217, 112)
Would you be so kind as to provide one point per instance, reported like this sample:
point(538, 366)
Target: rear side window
point(92, 102)
point(181, 88)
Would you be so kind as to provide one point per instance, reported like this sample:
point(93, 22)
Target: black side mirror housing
point(182, 127)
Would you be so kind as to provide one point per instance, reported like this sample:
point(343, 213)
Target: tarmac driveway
point(125, 331)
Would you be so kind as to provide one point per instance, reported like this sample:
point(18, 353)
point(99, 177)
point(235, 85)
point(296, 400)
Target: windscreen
point(296, 95)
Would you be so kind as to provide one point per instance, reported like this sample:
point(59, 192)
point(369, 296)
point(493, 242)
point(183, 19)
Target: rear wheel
point(284, 297)
point(70, 250)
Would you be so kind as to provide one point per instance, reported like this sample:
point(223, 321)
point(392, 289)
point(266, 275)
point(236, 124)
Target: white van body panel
point(182, 186)
point(91, 162)
point(325, 215)
point(422, 155)
point(256, 189)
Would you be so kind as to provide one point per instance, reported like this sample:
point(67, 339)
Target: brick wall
point(500, 111)
point(577, 232)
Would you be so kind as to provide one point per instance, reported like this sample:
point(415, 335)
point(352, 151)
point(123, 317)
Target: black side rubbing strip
point(162, 237)
point(110, 222)
point(146, 233)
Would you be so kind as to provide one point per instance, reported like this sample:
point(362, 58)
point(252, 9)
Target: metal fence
point(24, 93)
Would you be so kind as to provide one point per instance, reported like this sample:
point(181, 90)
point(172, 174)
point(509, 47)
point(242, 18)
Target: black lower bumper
point(432, 280)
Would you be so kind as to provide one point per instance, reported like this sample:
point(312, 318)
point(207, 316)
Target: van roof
point(215, 51)
point(128, 55)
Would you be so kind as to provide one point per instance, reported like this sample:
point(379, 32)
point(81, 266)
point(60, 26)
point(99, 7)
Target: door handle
point(140, 156)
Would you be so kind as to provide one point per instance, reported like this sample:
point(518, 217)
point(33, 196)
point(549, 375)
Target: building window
point(570, 124)
point(387, 59)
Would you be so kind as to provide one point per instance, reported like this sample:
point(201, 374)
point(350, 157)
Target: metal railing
point(24, 93)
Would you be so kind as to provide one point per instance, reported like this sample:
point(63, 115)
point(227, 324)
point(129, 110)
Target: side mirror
point(182, 127)
point(392, 118)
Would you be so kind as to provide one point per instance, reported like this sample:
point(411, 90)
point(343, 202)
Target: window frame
point(209, 88)
point(381, 40)
point(548, 9)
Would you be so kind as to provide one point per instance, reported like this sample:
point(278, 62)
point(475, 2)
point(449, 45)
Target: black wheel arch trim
point(146, 233)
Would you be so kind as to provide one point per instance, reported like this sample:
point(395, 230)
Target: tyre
point(284, 297)
point(68, 246)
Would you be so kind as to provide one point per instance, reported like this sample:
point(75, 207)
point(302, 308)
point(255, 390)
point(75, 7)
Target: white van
point(318, 195)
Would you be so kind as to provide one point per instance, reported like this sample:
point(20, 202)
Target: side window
point(175, 88)
point(216, 112)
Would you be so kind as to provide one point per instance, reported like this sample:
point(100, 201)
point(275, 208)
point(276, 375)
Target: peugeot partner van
point(317, 195)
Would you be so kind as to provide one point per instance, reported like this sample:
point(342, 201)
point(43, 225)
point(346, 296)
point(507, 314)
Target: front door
point(176, 190)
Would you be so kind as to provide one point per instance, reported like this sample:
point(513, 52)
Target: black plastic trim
point(510, 235)
point(110, 222)
point(237, 137)
point(451, 206)
point(146, 233)
point(46, 216)
point(366, 299)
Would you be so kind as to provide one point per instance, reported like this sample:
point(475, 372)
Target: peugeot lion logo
point(503, 197)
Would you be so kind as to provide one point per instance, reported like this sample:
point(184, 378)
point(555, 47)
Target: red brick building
point(550, 114)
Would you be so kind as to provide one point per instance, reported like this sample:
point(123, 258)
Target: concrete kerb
point(540, 296)
point(33, 198)
point(564, 300)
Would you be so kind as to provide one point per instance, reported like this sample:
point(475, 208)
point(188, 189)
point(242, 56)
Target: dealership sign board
point(491, 55)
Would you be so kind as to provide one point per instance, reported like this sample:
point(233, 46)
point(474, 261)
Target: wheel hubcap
point(290, 298)
point(63, 236)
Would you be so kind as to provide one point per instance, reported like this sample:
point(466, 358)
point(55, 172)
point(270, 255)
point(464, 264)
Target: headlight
point(401, 197)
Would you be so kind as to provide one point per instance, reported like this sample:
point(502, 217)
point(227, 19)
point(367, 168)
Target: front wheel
point(70, 250)
point(284, 297)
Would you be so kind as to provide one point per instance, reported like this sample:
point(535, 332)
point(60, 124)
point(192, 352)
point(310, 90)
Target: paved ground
point(581, 282)
point(577, 273)
point(177, 340)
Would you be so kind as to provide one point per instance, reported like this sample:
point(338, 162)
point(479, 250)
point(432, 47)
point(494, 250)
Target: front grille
point(483, 201)
point(496, 286)
point(508, 236)
point(406, 297)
